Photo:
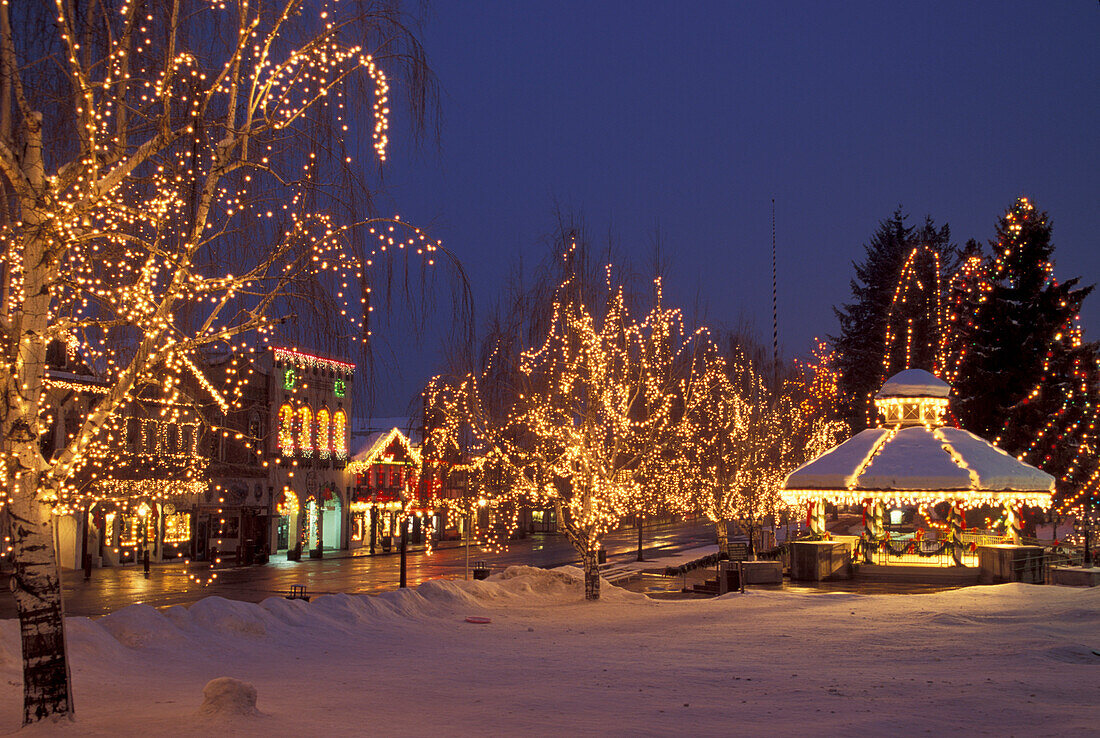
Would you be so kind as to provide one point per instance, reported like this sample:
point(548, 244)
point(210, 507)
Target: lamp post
point(403, 547)
point(481, 502)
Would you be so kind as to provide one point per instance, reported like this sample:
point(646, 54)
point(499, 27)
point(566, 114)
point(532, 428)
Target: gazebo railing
point(983, 538)
point(937, 550)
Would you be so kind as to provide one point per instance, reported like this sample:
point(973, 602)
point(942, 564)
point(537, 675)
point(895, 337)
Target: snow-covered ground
point(1004, 660)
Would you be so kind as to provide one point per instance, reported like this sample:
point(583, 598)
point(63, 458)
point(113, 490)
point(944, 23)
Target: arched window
point(286, 430)
point(324, 434)
point(150, 436)
point(305, 428)
point(339, 435)
point(187, 442)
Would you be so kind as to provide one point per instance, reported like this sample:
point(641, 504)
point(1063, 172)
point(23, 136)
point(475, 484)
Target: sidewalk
point(346, 571)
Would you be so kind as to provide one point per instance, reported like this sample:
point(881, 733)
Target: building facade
point(309, 398)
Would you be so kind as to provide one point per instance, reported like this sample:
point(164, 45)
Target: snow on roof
point(913, 459)
point(368, 449)
point(918, 459)
point(837, 467)
point(914, 383)
point(995, 468)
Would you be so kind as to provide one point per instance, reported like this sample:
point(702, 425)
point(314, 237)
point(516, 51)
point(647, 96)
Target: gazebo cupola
point(913, 397)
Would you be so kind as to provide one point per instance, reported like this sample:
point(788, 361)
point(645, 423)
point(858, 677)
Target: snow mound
point(229, 617)
point(91, 640)
point(1074, 655)
point(226, 696)
point(565, 574)
point(446, 592)
point(137, 626)
point(564, 584)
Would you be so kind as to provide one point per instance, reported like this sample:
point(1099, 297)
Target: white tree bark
point(36, 581)
point(722, 527)
point(36, 586)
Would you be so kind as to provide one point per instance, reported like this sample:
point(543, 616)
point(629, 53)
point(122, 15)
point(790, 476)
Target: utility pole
point(775, 310)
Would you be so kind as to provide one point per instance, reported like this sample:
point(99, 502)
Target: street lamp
point(405, 521)
point(481, 502)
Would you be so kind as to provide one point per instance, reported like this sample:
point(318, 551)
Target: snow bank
point(976, 660)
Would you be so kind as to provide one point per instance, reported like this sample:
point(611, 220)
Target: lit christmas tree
point(1024, 376)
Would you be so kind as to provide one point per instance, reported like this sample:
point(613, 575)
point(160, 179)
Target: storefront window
point(177, 527)
point(130, 533)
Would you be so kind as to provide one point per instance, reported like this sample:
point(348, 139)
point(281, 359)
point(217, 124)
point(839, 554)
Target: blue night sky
point(691, 117)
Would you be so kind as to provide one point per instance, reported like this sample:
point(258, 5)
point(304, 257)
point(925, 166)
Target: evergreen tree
point(965, 292)
point(893, 322)
point(1026, 378)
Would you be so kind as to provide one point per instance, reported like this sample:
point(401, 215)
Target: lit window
point(324, 434)
point(339, 435)
point(305, 428)
point(286, 430)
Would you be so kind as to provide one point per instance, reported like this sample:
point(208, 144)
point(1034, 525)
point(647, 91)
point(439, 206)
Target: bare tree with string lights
point(739, 439)
point(174, 174)
point(577, 421)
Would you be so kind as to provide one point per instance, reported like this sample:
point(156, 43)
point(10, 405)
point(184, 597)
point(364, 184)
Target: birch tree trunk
point(722, 527)
point(36, 580)
point(591, 561)
point(36, 586)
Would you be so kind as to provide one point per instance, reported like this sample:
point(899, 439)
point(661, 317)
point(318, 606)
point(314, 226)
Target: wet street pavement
point(168, 584)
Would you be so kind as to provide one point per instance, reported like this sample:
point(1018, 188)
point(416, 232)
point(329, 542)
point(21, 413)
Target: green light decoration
point(339, 387)
point(289, 378)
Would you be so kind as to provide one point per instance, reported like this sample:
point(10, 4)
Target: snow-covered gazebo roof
point(914, 459)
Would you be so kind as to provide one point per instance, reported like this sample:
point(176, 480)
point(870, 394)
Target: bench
point(298, 592)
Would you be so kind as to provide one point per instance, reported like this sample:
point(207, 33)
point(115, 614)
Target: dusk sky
point(691, 117)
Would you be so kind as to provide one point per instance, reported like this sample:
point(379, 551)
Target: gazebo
point(913, 460)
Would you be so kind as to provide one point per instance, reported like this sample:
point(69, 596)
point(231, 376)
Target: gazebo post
point(879, 516)
point(872, 523)
point(1012, 523)
point(955, 519)
point(817, 518)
